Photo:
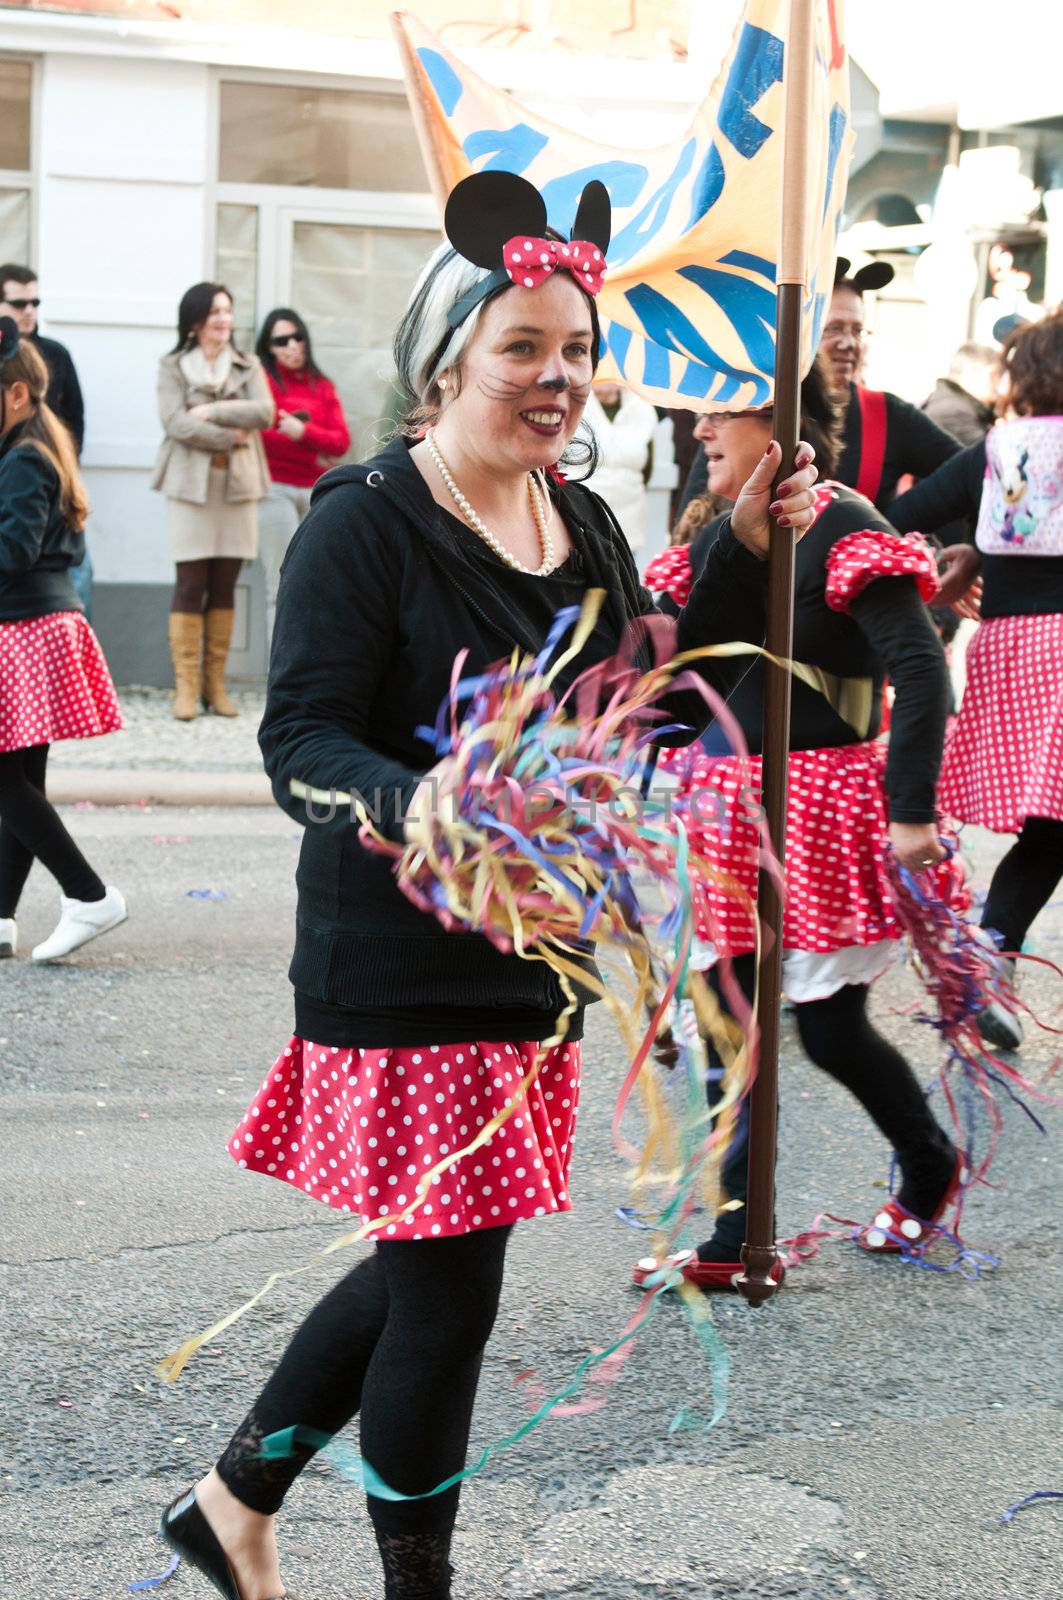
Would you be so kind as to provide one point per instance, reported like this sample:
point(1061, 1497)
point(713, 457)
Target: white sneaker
point(8, 937)
point(80, 921)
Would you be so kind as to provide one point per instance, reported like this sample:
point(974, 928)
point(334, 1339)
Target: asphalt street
point(879, 1418)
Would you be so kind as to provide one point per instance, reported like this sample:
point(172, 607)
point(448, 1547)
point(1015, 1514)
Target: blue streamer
point(1039, 1494)
point(156, 1582)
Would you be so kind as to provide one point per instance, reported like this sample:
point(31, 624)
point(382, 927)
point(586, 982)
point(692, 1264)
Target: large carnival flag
point(688, 308)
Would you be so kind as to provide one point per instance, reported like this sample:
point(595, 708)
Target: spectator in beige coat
point(213, 400)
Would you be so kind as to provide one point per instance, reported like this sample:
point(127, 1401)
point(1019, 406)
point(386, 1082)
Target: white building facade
point(137, 159)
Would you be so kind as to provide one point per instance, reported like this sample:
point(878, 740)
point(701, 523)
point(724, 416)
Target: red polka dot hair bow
point(530, 262)
point(498, 220)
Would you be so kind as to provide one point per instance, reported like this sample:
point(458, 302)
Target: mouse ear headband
point(9, 340)
point(875, 275)
point(498, 220)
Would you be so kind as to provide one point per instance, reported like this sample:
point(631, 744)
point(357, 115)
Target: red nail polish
point(786, 488)
point(804, 460)
point(783, 522)
point(775, 509)
point(768, 451)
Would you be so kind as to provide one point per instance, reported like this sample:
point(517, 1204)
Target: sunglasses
point(283, 340)
point(23, 305)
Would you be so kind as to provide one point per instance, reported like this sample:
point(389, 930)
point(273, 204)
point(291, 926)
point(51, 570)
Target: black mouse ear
point(9, 338)
point(875, 275)
point(488, 209)
point(841, 268)
point(594, 216)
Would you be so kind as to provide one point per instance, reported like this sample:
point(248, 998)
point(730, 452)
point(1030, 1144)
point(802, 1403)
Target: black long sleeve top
point(914, 443)
point(37, 546)
point(379, 592)
point(64, 391)
point(885, 631)
point(1012, 586)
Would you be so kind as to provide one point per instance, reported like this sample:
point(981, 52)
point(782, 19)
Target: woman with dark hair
point(54, 682)
point(211, 467)
point(883, 438)
point(859, 615)
point(310, 433)
point(1004, 765)
point(457, 538)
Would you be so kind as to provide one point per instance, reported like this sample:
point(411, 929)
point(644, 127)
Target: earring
point(442, 384)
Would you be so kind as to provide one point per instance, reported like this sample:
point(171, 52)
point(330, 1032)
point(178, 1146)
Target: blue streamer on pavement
point(158, 1581)
point(1020, 1505)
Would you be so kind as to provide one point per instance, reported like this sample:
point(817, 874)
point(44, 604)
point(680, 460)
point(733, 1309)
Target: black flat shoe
point(186, 1530)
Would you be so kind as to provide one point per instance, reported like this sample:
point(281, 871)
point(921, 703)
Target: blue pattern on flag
point(668, 327)
point(749, 309)
point(642, 228)
point(510, 149)
point(838, 124)
point(743, 258)
point(688, 310)
point(444, 80)
point(708, 186)
point(618, 341)
point(756, 66)
point(623, 179)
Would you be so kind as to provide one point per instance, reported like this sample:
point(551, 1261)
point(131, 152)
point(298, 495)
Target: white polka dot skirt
point(837, 889)
point(357, 1129)
point(1004, 760)
point(54, 682)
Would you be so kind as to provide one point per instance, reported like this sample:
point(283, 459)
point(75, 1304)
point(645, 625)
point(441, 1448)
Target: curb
point(129, 787)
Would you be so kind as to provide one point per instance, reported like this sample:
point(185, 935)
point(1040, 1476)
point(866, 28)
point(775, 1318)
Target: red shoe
point(718, 1275)
point(895, 1229)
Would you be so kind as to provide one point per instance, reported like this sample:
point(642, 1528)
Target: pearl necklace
point(538, 509)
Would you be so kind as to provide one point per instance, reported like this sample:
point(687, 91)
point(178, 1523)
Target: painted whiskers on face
point(543, 416)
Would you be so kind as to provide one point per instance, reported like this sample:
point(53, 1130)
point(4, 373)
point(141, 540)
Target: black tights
point(838, 1037)
point(1024, 881)
point(30, 828)
point(208, 585)
point(400, 1339)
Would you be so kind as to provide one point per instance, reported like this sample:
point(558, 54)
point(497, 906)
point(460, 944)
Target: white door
point(348, 273)
point(350, 282)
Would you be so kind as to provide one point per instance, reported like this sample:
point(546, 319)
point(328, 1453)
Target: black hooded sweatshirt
point(379, 592)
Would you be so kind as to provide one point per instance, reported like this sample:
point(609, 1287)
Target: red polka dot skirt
point(54, 682)
point(357, 1129)
point(837, 890)
point(1004, 760)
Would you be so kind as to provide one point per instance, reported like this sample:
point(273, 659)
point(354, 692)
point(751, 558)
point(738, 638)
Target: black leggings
point(400, 1339)
point(206, 585)
point(30, 829)
point(838, 1037)
point(1024, 881)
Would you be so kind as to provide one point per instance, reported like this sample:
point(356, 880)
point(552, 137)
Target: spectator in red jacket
point(311, 433)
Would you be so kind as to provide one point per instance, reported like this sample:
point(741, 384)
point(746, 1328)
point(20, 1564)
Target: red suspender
point(872, 441)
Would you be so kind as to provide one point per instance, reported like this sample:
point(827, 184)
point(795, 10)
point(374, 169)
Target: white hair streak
point(423, 350)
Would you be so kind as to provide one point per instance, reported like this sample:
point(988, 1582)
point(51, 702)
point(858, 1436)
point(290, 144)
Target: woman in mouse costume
point(883, 438)
point(1003, 767)
point(54, 682)
point(409, 1039)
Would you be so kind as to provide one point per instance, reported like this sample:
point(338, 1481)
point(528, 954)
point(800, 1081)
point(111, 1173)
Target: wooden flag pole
point(758, 1252)
point(411, 71)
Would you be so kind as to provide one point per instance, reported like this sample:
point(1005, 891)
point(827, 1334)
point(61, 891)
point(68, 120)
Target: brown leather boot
point(186, 648)
point(219, 631)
